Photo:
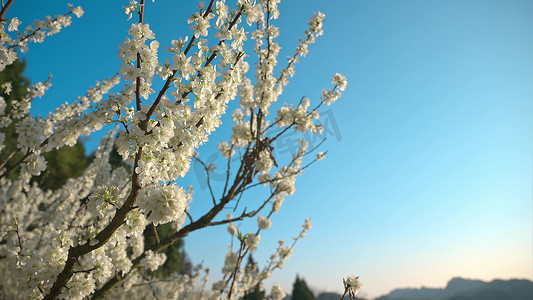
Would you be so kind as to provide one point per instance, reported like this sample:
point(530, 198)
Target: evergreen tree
point(64, 163)
point(300, 291)
point(19, 84)
point(15, 74)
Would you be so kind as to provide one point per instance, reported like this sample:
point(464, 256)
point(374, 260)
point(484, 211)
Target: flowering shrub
point(85, 238)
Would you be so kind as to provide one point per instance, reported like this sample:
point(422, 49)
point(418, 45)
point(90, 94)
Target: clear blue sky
point(430, 173)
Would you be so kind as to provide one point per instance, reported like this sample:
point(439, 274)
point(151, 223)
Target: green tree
point(64, 163)
point(115, 160)
point(13, 73)
point(300, 291)
point(257, 293)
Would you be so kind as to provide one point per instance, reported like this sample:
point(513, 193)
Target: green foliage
point(19, 83)
point(257, 293)
point(300, 291)
point(14, 74)
point(115, 160)
point(65, 163)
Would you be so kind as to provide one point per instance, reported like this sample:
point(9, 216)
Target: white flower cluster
point(176, 128)
point(277, 292)
point(306, 227)
point(130, 9)
point(320, 156)
point(79, 287)
point(252, 241)
point(102, 199)
point(152, 260)
point(333, 94)
point(21, 107)
point(263, 223)
point(36, 266)
point(162, 204)
point(36, 33)
point(177, 286)
point(14, 24)
point(34, 165)
point(128, 52)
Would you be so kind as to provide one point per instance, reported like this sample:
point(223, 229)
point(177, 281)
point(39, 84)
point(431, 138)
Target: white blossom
point(263, 223)
point(340, 81)
point(7, 87)
point(14, 24)
point(162, 204)
point(232, 229)
point(34, 165)
point(320, 156)
point(152, 260)
point(277, 292)
point(78, 10)
point(352, 285)
point(252, 241)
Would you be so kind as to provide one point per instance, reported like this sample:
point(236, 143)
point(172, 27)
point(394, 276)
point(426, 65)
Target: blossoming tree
point(85, 238)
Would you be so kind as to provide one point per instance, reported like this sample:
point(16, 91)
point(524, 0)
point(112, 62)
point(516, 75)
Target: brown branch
point(9, 157)
point(138, 80)
point(189, 216)
point(209, 216)
point(244, 213)
point(4, 9)
point(157, 240)
point(85, 271)
point(228, 170)
point(16, 164)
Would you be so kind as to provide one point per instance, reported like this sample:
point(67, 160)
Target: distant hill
point(466, 289)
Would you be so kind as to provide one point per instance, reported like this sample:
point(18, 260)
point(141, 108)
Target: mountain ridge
point(468, 289)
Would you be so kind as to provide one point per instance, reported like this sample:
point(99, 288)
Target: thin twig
point(207, 170)
point(157, 240)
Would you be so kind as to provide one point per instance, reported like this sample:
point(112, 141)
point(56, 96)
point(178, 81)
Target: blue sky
point(429, 175)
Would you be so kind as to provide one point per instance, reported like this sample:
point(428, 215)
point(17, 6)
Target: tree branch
point(5, 8)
